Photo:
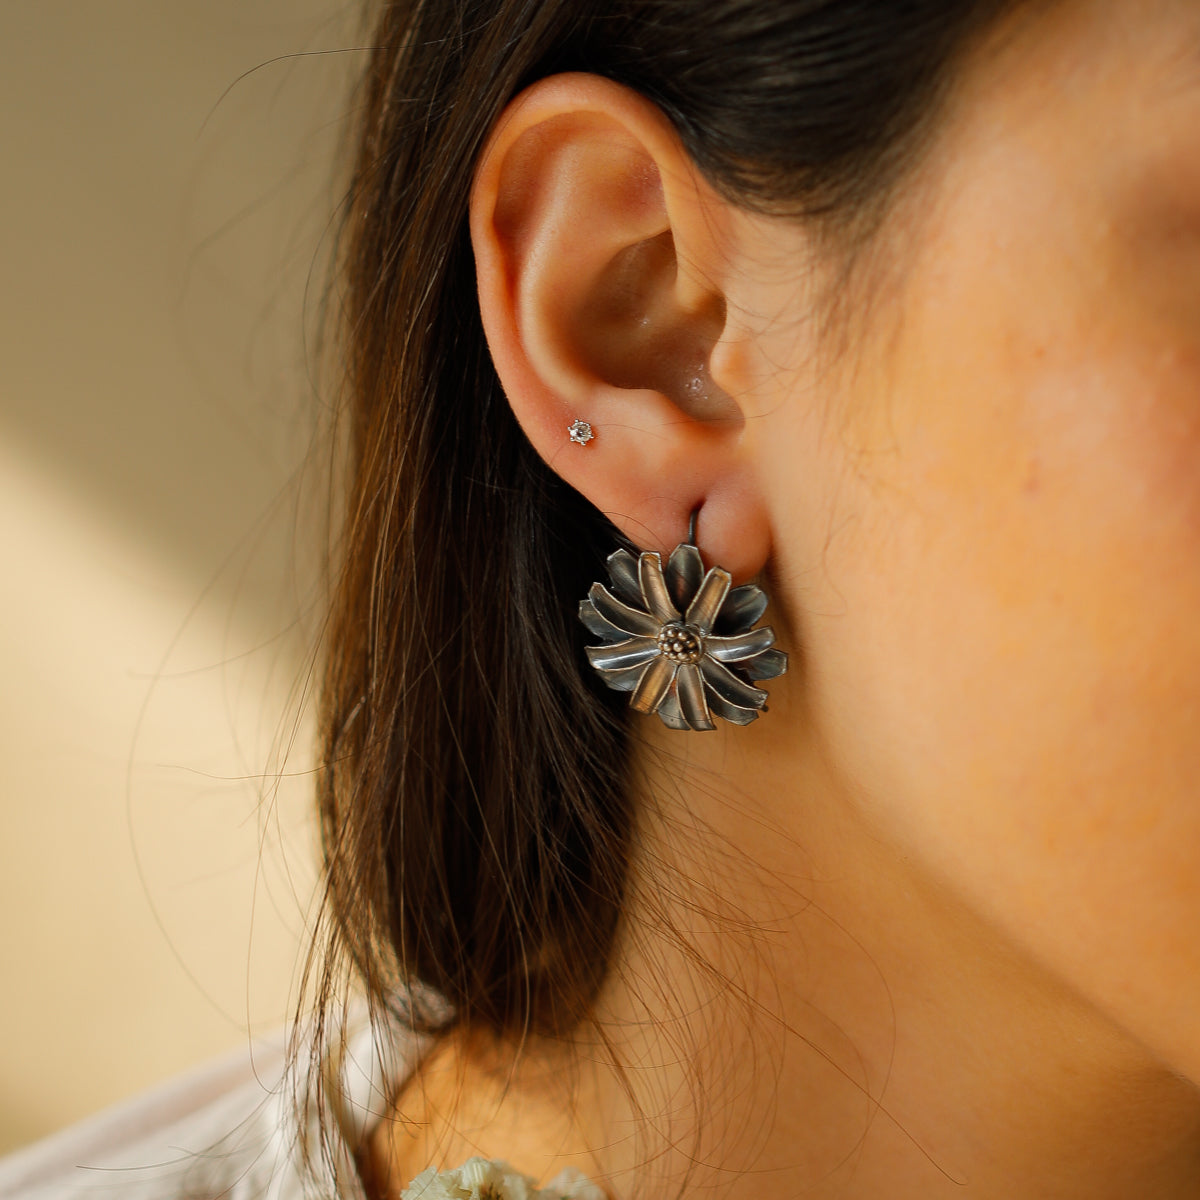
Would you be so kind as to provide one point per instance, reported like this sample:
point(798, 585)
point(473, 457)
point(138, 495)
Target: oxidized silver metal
point(681, 640)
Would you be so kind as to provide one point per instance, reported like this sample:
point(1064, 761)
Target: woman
point(894, 309)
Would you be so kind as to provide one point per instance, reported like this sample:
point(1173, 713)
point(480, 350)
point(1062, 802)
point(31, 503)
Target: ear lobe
point(599, 255)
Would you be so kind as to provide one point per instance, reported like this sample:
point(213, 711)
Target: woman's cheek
point(1020, 641)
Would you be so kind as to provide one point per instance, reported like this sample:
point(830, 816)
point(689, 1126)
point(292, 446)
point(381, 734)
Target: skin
point(952, 880)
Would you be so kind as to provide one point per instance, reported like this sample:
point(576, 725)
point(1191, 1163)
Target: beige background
point(160, 211)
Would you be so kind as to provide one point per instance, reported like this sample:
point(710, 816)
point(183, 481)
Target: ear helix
point(680, 639)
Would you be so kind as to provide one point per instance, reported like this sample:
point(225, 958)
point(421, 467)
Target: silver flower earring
point(681, 640)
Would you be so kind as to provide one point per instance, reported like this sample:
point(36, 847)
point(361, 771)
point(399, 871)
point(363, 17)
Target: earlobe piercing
point(581, 432)
point(680, 639)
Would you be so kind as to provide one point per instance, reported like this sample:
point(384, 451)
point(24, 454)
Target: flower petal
point(671, 714)
point(633, 652)
point(689, 686)
point(654, 587)
point(743, 606)
point(766, 665)
point(702, 611)
point(730, 712)
point(572, 1184)
point(627, 620)
point(729, 687)
point(653, 685)
point(623, 680)
point(623, 571)
point(684, 572)
point(741, 645)
point(597, 624)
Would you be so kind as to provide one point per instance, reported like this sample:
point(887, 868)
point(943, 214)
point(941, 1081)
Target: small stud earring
point(581, 432)
point(680, 639)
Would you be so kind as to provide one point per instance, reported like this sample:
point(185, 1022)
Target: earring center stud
point(680, 643)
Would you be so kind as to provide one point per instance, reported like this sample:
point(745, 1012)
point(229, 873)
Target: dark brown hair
point(476, 822)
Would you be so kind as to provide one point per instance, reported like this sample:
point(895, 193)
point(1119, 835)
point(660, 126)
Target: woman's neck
point(796, 1009)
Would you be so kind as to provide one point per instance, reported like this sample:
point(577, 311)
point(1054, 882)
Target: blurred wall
point(166, 182)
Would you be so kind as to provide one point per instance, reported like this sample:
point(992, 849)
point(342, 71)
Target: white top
point(233, 1129)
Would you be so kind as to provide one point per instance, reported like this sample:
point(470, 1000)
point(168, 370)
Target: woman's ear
point(601, 255)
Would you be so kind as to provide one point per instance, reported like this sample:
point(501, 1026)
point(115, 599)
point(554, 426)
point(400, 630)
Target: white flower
point(480, 1179)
